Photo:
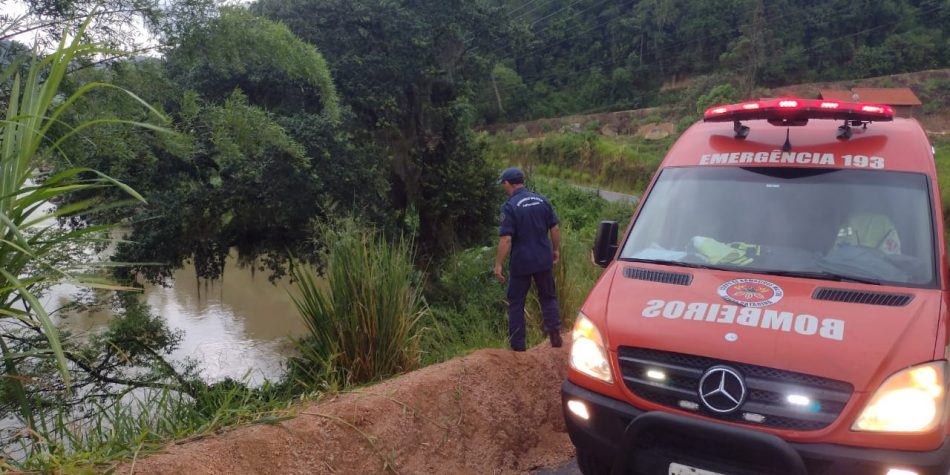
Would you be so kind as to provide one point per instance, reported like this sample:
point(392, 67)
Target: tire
point(591, 465)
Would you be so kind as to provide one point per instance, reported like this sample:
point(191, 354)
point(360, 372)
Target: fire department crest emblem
point(751, 292)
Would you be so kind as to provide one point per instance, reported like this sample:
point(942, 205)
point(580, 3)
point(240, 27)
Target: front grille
point(663, 277)
point(768, 389)
point(862, 296)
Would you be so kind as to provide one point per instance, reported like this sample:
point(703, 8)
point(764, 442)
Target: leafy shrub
point(579, 209)
point(721, 94)
point(932, 107)
point(592, 126)
point(520, 132)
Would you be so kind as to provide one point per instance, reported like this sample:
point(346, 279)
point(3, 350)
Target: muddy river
point(236, 327)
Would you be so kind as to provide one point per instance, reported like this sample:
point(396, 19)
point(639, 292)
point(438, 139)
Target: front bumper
point(647, 442)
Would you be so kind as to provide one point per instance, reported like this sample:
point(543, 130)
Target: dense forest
point(575, 56)
point(338, 134)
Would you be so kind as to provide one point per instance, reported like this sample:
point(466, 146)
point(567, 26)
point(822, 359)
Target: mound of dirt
point(494, 411)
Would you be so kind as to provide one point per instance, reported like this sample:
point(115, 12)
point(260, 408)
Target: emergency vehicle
point(778, 304)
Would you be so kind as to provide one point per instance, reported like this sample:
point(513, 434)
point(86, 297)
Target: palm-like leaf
point(30, 243)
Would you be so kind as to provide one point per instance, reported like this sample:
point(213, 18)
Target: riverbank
point(493, 411)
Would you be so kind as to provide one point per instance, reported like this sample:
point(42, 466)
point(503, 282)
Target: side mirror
point(605, 244)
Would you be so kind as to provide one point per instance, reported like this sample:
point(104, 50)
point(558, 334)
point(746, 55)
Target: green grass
point(469, 311)
point(942, 160)
point(146, 421)
point(620, 163)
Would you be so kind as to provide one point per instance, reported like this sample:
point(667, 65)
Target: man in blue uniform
point(526, 220)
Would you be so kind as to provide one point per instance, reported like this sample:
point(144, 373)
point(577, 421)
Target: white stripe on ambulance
point(803, 324)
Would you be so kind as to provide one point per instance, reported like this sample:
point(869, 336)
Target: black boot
point(555, 336)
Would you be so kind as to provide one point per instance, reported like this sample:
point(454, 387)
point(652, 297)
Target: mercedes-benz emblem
point(722, 389)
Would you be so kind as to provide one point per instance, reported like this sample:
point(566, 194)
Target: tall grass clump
point(574, 274)
point(468, 308)
point(364, 317)
point(33, 247)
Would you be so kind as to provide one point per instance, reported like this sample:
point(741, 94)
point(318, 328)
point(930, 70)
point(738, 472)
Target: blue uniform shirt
point(527, 217)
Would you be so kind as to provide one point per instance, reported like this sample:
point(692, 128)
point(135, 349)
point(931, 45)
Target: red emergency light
point(792, 111)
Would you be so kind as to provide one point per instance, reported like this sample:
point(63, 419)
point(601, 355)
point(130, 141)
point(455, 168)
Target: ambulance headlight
point(588, 354)
point(911, 400)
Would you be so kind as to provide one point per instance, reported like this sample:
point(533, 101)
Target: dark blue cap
point(510, 174)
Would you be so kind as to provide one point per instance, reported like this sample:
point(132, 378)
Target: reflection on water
point(235, 327)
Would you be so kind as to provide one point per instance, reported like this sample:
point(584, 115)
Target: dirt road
point(612, 196)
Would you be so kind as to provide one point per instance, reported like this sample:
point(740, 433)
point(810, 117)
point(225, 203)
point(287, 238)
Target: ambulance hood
point(772, 321)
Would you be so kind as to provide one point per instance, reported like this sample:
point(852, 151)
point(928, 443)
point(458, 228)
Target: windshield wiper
point(823, 275)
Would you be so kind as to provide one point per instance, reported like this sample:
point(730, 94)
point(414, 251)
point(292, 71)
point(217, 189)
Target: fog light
point(579, 409)
point(753, 417)
point(692, 406)
point(798, 400)
point(656, 374)
point(901, 471)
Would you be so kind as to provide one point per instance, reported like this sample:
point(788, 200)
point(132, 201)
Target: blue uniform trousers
point(518, 286)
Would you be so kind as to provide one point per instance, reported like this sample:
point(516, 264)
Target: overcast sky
point(17, 8)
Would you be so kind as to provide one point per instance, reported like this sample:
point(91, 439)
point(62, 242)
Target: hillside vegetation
point(585, 56)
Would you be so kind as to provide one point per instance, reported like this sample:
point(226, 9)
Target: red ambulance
point(777, 304)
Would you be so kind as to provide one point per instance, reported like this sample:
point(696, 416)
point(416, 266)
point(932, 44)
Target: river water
point(237, 327)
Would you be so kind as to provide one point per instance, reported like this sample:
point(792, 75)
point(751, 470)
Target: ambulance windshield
point(867, 226)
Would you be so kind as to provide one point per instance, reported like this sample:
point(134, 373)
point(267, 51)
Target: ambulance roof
point(900, 145)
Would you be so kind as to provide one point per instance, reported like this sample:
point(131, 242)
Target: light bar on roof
point(788, 110)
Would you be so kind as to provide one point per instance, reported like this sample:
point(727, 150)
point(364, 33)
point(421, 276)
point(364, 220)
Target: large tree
point(405, 68)
point(117, 24)
point(257, 156)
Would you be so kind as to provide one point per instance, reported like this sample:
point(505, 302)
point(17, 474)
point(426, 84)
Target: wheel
point(591, 465)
